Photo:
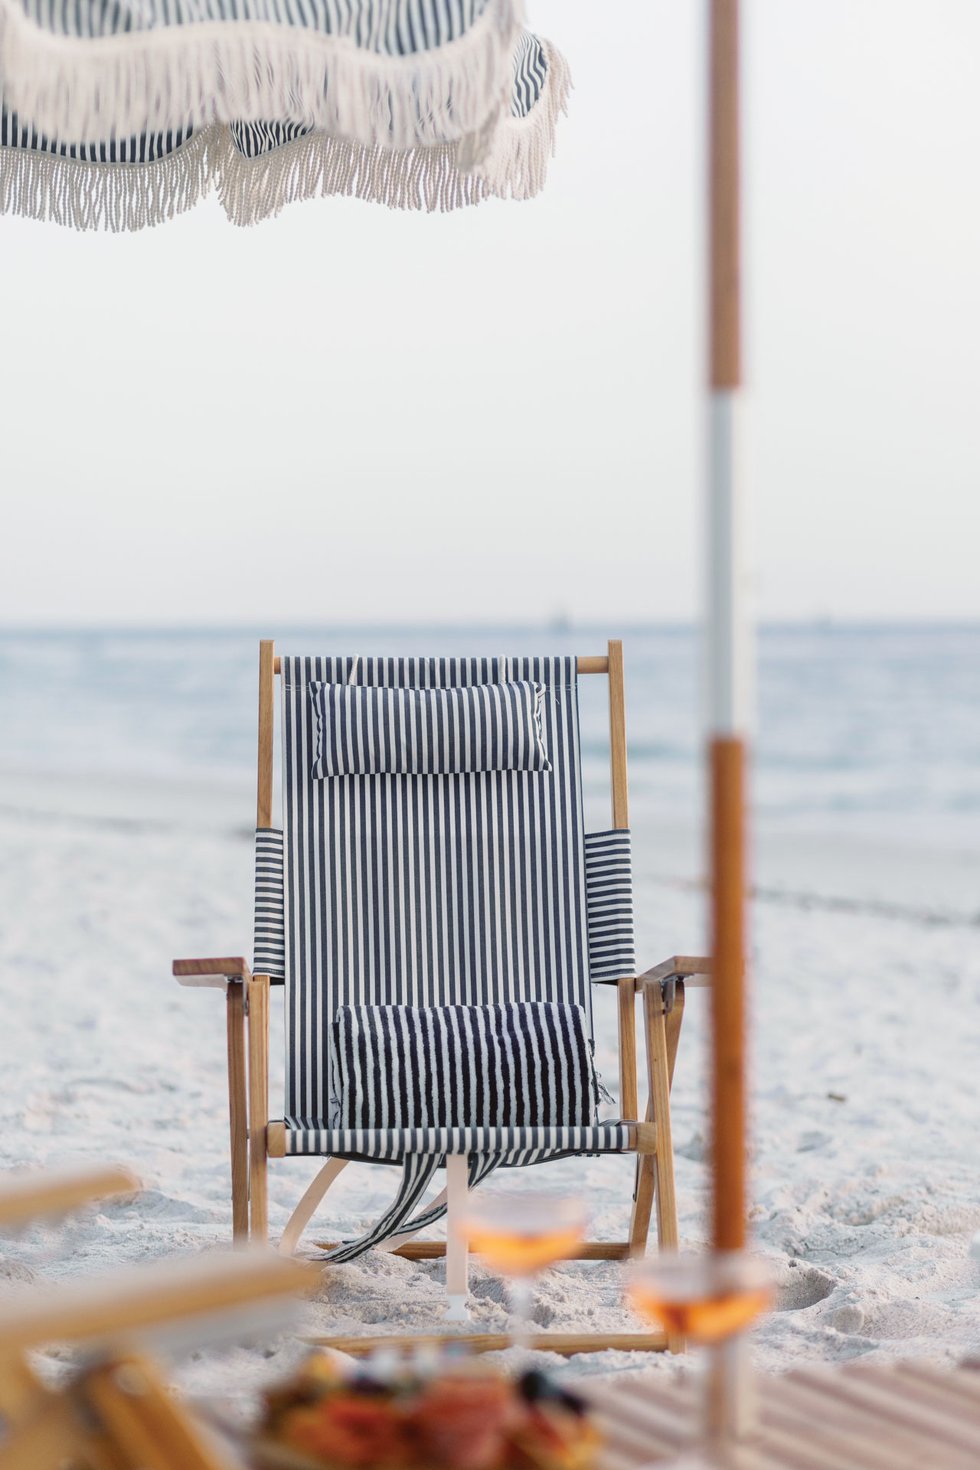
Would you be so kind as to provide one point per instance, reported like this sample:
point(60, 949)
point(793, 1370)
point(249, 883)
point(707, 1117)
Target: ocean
point(866, 754)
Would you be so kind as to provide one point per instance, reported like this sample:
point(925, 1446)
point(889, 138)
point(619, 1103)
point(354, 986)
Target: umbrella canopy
point(436, 125)
point(394, 72)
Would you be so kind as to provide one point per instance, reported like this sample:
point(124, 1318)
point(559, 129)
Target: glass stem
point(729, 1401)
point(521, 1293)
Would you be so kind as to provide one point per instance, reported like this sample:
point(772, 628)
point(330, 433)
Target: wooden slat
point(628, 1099)
point(724, 230)
point(21, 1391)
point(657, 1079)
point(855, 1417)
point(898, 1406)
point(617, 736)
point(258, 1106)
point(237, 1110)
point(678, 967)
point(655, 1423)
point(822, 1405)
point(26, 1195)
point(807, 1415)
point(137, 1298)
point(222, 968)
point(585, 663)
point(434, 1250)
point(728, 1108)
point(644, 1189)
point(567, 1344)
point(961, 1387)
point(263, 805)
point(672, 1025)
point(52, 1438)
point(142, 1417)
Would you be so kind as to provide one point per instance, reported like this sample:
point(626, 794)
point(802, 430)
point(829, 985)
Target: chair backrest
point(426, 890)
point(430, 889)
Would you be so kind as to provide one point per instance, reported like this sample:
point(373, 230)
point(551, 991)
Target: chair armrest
point(692, 969)
point(212, 973)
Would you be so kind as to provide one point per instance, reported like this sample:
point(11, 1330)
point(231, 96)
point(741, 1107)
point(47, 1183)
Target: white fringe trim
point(106, 196)
point(430, 179)
point(80, 90)
point(133, 196)
point(516, 164)
point(319, 166)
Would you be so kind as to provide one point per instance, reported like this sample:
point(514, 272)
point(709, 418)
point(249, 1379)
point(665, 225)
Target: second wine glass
point(518, 1235)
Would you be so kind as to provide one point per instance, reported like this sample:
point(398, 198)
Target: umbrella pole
point(729, 1406)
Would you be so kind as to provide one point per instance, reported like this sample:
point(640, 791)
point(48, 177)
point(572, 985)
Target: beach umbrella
point(123, 114)
point(729, 662)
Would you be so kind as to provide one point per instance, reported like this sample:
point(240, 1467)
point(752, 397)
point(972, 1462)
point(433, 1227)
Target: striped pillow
point(365, 731)
point(524, 1063)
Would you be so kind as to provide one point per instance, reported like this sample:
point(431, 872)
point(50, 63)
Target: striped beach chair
point(460, 893)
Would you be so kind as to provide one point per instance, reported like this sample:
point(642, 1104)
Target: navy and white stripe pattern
point(417, 1170)
point(521, 1064)
point(366, 731)
point(147, 148)
point(530, 74)
point(609, 897)
point(427, 890)
point(511, 1146)
point(385, 27)
point(269, 952)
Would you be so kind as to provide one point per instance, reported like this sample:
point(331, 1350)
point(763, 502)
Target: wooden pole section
point(263, 806)
point(726, 637)
point(237, 1108)
point(723, 204)
point(258, 989)
point(727, 846)
point(628, 1100)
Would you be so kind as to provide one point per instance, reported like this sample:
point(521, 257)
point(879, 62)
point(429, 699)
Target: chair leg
point(658, 1072)
point(457, 1249)
point(672, 1025)
point(659, 1079)
point(258, 1104)
point(646, 1166)
point(238, 1111)
point(304, 1211)
point(643, 1192)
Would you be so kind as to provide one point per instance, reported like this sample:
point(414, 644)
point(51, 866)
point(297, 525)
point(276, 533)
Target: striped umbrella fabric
point(256, 169)
point(389, 72)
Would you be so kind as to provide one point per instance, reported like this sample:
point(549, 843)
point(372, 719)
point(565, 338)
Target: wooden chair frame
point(255, 1138)
point(118, 1412)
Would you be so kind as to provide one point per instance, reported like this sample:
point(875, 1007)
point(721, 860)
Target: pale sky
point(351, 415)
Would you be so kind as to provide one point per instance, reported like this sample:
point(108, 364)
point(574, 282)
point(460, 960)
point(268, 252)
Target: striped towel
point(520, 1064)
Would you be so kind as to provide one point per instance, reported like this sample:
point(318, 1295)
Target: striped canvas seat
point(425, 890)
point(429, 890)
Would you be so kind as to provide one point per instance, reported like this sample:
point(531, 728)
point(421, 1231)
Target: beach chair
point(429, 889)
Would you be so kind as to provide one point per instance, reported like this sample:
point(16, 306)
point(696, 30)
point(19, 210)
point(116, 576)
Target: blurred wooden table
point(853, 1416)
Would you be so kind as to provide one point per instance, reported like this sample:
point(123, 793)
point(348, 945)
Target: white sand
point(867, 1175)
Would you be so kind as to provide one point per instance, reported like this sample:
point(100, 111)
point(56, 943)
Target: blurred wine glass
point(518, 1235)
point(703, 1298)
point(710, 1300)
